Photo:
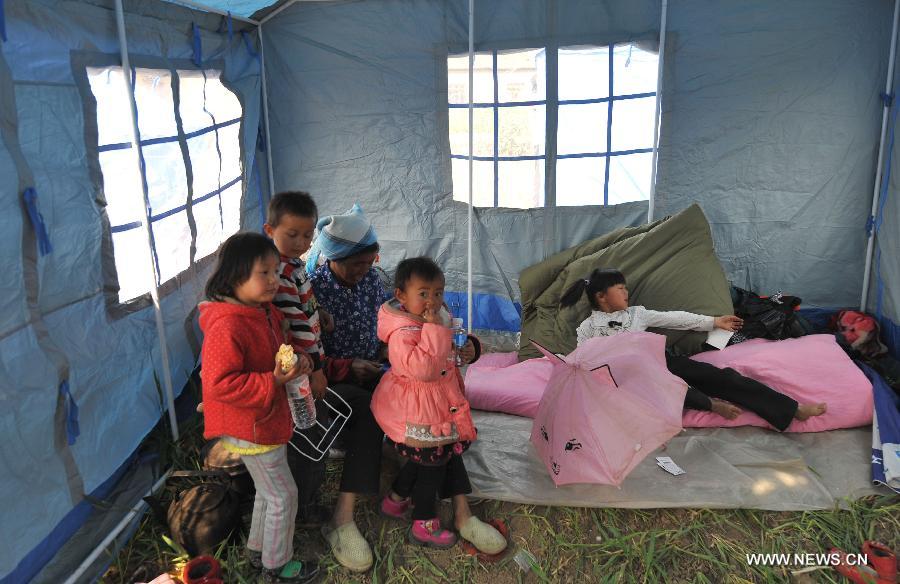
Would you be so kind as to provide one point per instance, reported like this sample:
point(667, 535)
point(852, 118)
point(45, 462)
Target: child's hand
point(729, 322)
point(431, 316)
point(318, 384)
point(326, 320)
point(281, 377)
point(467, 353)
point(305, 362)
point(303, 366)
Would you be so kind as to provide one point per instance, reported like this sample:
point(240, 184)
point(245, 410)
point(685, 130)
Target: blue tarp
point(885, 432)
point(236, 7)
point(56, 323)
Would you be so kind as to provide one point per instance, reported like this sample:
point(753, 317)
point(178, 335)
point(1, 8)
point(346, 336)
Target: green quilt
point(669, 264)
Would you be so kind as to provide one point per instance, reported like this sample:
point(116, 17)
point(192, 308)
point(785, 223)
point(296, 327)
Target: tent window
point(605, 116)
point(191, 155)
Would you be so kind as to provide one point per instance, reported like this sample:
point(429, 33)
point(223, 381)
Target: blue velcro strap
point(249, 46)
point(2, 23)
point(72, 430)
point(259, 191)
point(198, 46)
point(230, 28)
point(260, 140)
point(887, 99)
point(870, 224)
point(37, 221)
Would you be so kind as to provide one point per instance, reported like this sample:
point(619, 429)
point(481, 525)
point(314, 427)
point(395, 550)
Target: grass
point(569, 544)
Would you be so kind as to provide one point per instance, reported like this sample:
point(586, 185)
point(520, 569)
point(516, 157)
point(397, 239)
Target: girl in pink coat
point(421, 406)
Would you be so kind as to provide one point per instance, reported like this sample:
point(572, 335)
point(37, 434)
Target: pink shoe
point(428, 532)
point(394, 509)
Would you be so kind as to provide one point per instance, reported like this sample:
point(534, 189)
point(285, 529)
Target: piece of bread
point(286, 358)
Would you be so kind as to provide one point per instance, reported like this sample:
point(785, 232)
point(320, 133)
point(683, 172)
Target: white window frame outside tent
point(605, 115)
point(189, 125)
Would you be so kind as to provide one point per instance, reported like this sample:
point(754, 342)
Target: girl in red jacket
point(421, 406)
point(244, 399)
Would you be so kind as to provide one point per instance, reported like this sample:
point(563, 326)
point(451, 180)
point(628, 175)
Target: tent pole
point(659, 82)
point(886, 108)
point(129, 517)
point(471, 162)
point(272, 14)
point(154, 289)
point(205, 8)
point(265, 109)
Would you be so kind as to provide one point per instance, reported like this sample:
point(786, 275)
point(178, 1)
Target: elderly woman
point(348, 288)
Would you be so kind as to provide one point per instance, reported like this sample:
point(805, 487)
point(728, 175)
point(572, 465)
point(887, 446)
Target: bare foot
point(724, 409)
point(806, 411)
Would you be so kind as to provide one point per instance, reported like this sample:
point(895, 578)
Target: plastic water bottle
point(300, 399)
point(459, 339)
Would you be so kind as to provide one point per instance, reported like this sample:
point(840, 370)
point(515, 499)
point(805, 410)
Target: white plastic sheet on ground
point(746, 468)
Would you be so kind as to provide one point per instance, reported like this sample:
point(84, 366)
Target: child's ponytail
point(574, 292)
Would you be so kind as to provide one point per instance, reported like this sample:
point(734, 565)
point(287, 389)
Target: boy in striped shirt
point(291, 223)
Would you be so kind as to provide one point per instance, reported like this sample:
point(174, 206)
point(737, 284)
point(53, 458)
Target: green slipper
point(293, 572)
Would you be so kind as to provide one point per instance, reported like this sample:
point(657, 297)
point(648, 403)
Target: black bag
point(201, 517)
point(768, 318)
point(216, 457)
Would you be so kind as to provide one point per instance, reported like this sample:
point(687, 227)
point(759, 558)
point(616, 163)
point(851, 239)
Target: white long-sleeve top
point(638, 318)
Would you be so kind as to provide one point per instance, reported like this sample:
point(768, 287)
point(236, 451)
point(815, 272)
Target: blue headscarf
point(340, 236)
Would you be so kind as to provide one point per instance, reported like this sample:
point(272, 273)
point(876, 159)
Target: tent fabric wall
point(884, 292)
point(358, 105)
point(771, 119)
point(111, 360)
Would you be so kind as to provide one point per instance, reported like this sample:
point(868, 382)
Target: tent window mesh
point(604, 126)
point(199, 184)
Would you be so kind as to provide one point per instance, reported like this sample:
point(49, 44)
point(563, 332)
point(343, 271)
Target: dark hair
point(235, 263)
point(422, 267)
point(371, 248)
point(297, 203)
point(600, 280)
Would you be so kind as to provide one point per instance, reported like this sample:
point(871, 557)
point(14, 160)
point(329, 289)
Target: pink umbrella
point(608, 404)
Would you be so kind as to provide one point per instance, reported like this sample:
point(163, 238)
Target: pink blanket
point(809, 369)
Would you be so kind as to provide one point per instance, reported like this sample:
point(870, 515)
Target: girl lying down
point(709, 386)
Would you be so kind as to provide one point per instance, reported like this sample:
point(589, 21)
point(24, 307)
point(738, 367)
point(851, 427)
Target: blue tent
point(773, 116)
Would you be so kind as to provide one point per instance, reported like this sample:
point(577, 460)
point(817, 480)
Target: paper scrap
point(718, 338)
point(668, 465)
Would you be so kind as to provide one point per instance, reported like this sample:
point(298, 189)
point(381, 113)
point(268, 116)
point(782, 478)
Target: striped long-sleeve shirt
point(295, 298)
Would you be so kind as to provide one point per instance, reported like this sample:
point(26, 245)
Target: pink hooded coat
point(420, 401)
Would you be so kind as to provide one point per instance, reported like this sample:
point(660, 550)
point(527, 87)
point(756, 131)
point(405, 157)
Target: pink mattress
point(809, 369)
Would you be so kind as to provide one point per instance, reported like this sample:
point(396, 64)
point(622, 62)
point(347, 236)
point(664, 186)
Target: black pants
point(424, 482)
point(362, 438)
point(707, 381)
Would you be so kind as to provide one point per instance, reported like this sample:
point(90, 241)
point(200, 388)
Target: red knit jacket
point(240, 398)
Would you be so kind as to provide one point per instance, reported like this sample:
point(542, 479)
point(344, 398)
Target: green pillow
point(669, 265)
